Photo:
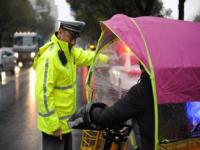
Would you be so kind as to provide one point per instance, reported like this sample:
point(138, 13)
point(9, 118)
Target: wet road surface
point(18, 129)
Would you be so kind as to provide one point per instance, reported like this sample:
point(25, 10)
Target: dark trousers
point(50, 142)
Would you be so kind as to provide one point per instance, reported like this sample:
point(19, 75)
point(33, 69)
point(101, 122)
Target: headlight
point(20, 64)
point(32, 54)
point(16, 55)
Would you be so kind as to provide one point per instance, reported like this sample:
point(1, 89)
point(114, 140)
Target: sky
point(63, 10)
point(192, 7)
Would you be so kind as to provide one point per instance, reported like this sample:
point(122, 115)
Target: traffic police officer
point(55, 64)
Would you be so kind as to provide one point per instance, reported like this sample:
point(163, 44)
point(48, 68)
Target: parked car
point(7, 60)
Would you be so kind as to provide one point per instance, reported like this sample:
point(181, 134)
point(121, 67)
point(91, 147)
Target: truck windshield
point(25, 40)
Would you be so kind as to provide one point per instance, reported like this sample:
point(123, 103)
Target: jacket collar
point(61, 44)
point(55, 39)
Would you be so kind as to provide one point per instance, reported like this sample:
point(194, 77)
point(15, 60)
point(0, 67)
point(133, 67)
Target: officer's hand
point(83, 118)
point(58, 133)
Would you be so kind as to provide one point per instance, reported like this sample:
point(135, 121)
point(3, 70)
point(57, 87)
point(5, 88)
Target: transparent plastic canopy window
point(111, 81)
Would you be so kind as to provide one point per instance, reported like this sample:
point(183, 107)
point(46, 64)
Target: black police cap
point(73, 26)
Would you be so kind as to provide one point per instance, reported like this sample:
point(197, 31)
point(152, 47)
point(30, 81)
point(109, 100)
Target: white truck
point(25, 45)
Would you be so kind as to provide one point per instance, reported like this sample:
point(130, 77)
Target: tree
point(18, 15)
point(197, 18)
point(92, 11)
point(45, 23)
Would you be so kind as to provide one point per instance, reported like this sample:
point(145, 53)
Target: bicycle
point(115, 139)
point(106, 139)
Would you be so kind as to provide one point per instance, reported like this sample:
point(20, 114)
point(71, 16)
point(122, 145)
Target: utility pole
point(181, 10)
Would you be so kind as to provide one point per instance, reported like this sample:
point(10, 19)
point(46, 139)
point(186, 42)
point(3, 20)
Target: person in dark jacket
point(137, 105)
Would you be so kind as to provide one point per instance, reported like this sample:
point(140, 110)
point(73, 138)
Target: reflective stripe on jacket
point(56, 84)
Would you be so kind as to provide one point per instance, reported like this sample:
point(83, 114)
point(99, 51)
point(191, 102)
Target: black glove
point(83, 118)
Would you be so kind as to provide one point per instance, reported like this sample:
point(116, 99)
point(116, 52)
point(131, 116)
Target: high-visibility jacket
point(55, 87)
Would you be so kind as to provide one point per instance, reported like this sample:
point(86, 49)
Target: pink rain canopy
point(170, 49)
